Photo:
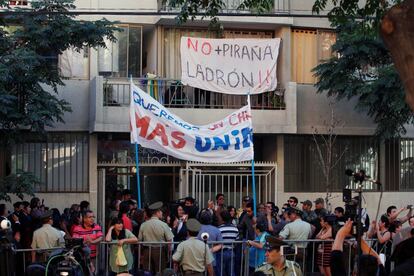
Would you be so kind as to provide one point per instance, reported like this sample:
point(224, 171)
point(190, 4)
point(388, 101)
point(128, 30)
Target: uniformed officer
point(155, 231)
point(193, 255)
point(276, 264)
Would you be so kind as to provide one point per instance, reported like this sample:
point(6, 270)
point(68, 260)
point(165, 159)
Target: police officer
point(155, 231)
point(276, 264)
point(193, 255)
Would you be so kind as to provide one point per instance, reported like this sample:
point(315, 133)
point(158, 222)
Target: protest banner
point(153, 126)
point(231, 66)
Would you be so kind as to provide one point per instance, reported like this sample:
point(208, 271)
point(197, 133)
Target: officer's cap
point(155, 206)
point(273, 243)
point(193, 225)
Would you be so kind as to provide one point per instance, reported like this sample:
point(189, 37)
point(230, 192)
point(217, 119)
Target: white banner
point(231, 66)
point(155, 127)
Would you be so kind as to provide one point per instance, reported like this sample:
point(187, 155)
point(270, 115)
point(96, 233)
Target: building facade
point(89, 157)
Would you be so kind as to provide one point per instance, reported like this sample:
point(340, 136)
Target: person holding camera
point(276, 263)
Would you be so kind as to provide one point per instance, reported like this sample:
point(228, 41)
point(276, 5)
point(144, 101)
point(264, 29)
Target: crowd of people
point(216, 239)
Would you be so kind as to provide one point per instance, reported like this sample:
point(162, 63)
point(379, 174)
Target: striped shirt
point(230, 233)
point(93, 233)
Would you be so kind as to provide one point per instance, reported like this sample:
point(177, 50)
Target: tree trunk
point(397, 30)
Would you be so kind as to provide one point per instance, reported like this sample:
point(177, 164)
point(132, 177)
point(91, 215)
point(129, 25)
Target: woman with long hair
point(124, 238)
point(324, 249)
point(179, 227)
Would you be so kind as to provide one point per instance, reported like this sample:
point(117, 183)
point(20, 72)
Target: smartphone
point(287, 250)
point(410, 206)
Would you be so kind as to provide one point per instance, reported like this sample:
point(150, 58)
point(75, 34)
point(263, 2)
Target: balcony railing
point(172, 93)
point(232, 6)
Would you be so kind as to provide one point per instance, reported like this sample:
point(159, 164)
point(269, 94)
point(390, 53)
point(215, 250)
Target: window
point(309, 48)
point(18, 3)
point(303, 172)
point(123, 57)
point(60, 161)
point(399, 165)
point(74, 64)
point(172, 40)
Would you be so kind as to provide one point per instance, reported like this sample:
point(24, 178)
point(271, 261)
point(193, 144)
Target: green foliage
point(363, 67)
point(189, 9)
point(19, 184)
point(30, 42)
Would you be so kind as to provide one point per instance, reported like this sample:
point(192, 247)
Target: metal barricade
point(232, 258)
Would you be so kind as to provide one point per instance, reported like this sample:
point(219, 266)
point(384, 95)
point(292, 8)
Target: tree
point(29, 78)
point(363, 66)
point(328, 154)
point(189, 9)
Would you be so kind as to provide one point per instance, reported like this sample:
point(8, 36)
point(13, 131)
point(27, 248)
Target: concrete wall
point(76, 92)
point(116, 5)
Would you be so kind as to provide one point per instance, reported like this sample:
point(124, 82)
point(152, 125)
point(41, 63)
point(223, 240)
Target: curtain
point(74, 64)
point(304, 55)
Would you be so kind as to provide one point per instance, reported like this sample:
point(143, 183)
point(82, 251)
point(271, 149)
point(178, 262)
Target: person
point(256, 250)
point(115, 209)
point(245, 225)
point(339, 213)
point(261, 209)
point(320, 207)
point(45, 237)
point(276, 264)
point(220, 206)
point(124, 238)
point(403, 257)
point(269, 217)
point(91, 234)
point(193, 255)
point(179, 227)
point(403, 234)
point(26, 226)
point(214, 235)
point(233, 213)
point(123, 214)
point(190, 208)
point(323, 258)
point(155, 230)
point(36, 212)
point(297, 229)
point(370, 262)
point(230, 234)
point(293, 201)
point(383, 236)
point(242, 210)
point(393, 213)
point(308, 214)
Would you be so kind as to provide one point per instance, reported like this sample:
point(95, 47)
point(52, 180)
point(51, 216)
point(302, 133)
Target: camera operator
point(370, 263)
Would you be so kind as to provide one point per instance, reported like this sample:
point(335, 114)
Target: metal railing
point(232, 6)
point(172, 93)
point(236, 259)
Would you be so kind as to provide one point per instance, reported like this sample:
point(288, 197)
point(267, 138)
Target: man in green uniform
point(193, 255)
point(276, 264)
point(155, 231)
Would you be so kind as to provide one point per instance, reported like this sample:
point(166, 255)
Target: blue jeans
point(225, 267)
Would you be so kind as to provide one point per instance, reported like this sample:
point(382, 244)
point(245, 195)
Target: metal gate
point(203, 181)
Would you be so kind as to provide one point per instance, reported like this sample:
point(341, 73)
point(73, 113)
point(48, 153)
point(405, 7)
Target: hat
point(295, 210)
point(307, 202)
point(155, 206)
point(273, 243)
point(247, 198)
point(47, 214)
point(319, 201)
point(193, 225)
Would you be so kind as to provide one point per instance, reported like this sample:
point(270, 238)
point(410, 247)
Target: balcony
point(173, 94)
point(273, 112)
point(231, 6)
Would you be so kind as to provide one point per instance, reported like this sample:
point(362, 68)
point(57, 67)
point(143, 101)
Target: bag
point(120, 257)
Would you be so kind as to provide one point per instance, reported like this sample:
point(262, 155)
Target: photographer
point(393, 213)
point(370, 263)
